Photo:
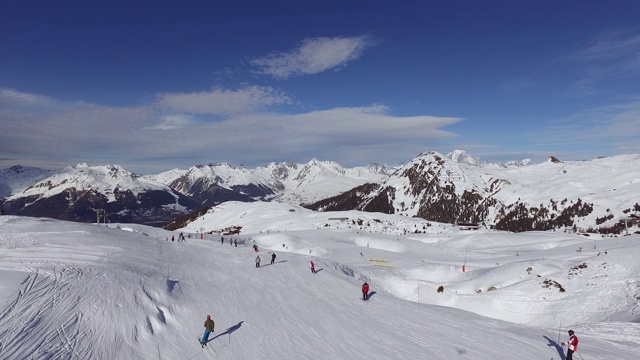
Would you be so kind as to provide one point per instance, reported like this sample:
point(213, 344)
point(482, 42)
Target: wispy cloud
point(153, 133)
point(581, 88)
point(612, 54)
point(15, 98)
point(220, 101)
point(611, 127)
point(313, 56)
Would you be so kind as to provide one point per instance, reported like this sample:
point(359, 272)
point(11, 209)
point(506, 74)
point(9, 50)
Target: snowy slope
point(611, 184)
point(72, 290)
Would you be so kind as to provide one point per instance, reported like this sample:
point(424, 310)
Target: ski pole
point(579, 355)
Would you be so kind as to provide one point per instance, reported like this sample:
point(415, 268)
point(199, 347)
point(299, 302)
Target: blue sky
point(154, 85)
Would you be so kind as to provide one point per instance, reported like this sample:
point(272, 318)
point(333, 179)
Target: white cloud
point(220, 101)
point(149, 134)
point(367, 123)
point(313, 56)
point(176, 121)
point(15, 98)
point(346, 135)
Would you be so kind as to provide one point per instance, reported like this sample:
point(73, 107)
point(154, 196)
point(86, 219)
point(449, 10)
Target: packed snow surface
point(126, 291)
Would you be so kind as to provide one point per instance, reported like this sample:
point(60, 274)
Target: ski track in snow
point(100, 293)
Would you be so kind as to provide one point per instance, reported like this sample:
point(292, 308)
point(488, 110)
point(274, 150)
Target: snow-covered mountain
point(553, 194)
point(459, 187)
point(462, 157)
point(77, 191)
point(17, 178)
point(74, 192)
point(287, 182)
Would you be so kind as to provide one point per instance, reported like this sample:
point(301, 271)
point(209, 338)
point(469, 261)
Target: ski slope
point(82, 291)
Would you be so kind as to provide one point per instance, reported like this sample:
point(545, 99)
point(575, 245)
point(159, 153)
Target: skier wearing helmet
point(209, 325)
point(572, 345)
point(365, 291)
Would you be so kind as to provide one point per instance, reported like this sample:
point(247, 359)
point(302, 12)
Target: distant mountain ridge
point(458, 187)
point(287, 182)
point(76, 192)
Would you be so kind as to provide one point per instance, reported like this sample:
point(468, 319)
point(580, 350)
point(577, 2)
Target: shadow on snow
point(228, 331)
point(555, 345)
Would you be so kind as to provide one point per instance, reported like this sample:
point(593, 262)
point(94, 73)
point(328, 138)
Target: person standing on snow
point(313, 267)
point(209, 326)
point(365, 291)
point(572, 345)
point(235, 242)
point(258, 261)
point(273, 258)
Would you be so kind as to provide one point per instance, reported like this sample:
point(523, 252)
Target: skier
point(313, 267)
point(235, 242)
point(222, 240)
point(572, 345)
point(365, 291)
point(258, 261)
point(255, 248)
point(173, 238)
point(209, 325)
point(273, 258)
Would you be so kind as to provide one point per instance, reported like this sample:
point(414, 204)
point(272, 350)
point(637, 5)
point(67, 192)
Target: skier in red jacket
point(365, 291)
point(313, 267)
point(572, 345)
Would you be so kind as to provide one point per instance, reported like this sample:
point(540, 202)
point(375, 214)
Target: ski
point(200, 342)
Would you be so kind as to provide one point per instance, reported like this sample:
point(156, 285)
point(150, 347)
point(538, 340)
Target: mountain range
point(516, 196)
point(456, 188)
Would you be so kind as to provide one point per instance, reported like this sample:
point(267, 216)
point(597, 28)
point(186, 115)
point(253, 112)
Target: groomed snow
point(82, 291)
